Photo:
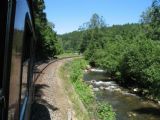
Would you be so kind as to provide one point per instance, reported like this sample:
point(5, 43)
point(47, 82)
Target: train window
point(26, 64)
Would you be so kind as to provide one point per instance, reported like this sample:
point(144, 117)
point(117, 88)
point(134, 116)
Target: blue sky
point(68, 15)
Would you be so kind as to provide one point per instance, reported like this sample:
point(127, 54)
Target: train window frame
point(25, 64)
point(3, 17)
point(3, 83)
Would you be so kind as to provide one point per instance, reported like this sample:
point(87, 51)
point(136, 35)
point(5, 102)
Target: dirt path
point(51, 102)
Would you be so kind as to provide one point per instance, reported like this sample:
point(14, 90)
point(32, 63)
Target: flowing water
point(126, 105)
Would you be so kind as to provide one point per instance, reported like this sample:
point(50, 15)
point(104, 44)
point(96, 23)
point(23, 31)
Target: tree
point(92, 34)
point(96, 22)
point(48, 44)
point(151, 20)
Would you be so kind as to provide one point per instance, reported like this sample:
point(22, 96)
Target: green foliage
point(69, 54)
point(85, 40)
point(112, 56)
point(105, 111)
point(71, 41)
point(92, 36)
point(111, 46)
point(47, 43)
point(140, 64)
point(96, 21)
point(151, 20)
point(83, 90)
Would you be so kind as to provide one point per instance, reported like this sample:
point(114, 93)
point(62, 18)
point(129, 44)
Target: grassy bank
point(81, 95)
point(67, 55)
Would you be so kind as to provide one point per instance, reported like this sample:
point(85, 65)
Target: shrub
point(105, 111)
point(111, 56)
point(141, 63)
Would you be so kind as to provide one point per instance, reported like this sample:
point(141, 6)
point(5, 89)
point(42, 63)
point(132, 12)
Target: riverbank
point(83, 98)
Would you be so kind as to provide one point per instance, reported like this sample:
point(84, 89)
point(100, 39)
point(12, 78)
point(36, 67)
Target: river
point(127, 106)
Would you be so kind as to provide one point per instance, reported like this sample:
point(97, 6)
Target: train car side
point(17, 64)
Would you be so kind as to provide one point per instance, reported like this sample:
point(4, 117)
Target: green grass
point(67, 55)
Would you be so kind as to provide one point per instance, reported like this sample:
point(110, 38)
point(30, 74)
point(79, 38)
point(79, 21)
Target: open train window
point(26, 63)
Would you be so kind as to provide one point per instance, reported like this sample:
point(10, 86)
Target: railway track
point(41, 66)
point(50, 101)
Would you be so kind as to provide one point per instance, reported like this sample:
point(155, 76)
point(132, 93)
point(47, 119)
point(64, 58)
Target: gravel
point(50, 101)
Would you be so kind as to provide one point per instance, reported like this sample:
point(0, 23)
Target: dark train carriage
point(17, 40)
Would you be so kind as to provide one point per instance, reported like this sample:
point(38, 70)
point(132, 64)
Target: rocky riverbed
point(127, 105)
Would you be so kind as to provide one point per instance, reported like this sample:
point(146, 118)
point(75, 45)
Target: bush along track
point(96, 110)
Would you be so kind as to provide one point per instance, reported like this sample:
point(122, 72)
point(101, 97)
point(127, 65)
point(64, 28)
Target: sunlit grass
point(67, 55)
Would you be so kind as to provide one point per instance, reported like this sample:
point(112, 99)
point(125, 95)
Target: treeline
point(71, 41)
point(129, 53)
point(48, 44)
